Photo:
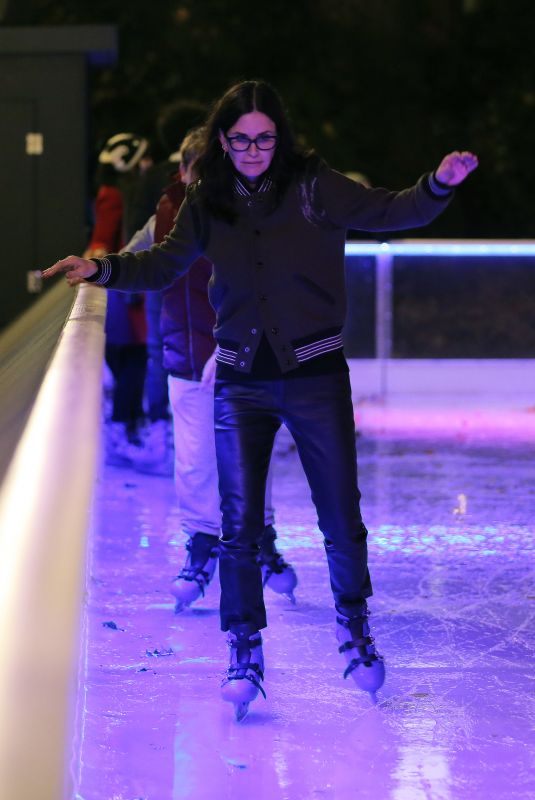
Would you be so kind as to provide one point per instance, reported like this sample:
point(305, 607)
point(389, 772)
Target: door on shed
point(18, 202)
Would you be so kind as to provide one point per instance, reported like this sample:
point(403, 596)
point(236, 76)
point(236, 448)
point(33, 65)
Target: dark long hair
point(215, 186)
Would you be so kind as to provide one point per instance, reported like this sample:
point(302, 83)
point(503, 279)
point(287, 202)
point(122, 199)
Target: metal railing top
point(443, 247)
point(44, 505)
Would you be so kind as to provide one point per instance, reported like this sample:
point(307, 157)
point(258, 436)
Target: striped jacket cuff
point(437, 187)
point(107, 271)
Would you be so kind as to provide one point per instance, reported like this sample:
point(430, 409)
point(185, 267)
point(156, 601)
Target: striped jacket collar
point(241, 188)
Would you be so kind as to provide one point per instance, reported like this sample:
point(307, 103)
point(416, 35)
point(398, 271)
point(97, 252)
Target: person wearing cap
point(119, 164)
point(172, 124)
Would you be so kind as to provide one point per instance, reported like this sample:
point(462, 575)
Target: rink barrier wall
point(484, 399)
point(385, 254)
point(45, 503)
point(471, 380)
point(26, 347)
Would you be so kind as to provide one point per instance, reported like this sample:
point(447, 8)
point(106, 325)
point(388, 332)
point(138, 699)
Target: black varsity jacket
point(279, 273)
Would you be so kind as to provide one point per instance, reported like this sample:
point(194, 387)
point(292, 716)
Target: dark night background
point(384, 87)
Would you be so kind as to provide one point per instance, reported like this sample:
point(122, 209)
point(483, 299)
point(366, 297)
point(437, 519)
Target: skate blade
point(291, 597)
point(180, 606)
point(240, 711)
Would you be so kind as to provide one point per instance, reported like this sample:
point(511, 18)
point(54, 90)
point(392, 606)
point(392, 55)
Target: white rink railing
point(386, 252)
point(44, 505)
point(26, 347)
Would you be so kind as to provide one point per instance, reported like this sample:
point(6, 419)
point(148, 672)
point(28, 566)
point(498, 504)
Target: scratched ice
point(451, 550)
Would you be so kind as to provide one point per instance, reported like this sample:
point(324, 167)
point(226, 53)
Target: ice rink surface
point(451, 522)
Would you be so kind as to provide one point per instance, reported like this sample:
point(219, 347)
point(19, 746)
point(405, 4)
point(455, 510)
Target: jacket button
point(257, 233)
point(274, 330)
point(253, 331)
point(259, 263)
point(242, 363)
point(263, 297)
point(247, 349)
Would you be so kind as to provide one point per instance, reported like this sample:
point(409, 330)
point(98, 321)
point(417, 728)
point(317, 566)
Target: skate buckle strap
point(246, 676)
point(355, 662)
point(353, 643)
point(346, 621)
point(273, 565)
point(201, 578)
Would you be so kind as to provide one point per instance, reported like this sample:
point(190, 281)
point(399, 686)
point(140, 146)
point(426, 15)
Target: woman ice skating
point(186, 329)
point(273, 220)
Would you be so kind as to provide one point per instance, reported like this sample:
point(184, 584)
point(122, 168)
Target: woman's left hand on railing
point(76, 269)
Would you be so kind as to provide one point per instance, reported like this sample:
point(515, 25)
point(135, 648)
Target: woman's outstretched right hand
point(75, 269)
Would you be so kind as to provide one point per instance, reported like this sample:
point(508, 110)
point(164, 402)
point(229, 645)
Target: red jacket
point(187, 318)
point(107, 233)
point(125, 316)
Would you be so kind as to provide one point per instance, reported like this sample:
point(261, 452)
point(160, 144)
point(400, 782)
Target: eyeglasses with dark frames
point(240, 142)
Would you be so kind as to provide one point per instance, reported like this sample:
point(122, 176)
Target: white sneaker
point(120, 451)
point(155, 456)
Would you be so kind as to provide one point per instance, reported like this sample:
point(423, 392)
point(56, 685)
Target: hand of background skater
point(76, 269)
point(455, 167)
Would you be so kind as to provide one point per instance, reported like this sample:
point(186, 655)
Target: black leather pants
point(319, 414)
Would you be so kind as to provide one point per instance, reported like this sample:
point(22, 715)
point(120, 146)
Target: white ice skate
point(245, 674)
point(122, 446)
point(156, 455)
point(364, 663)
point(198, 570)
point(277, 574)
